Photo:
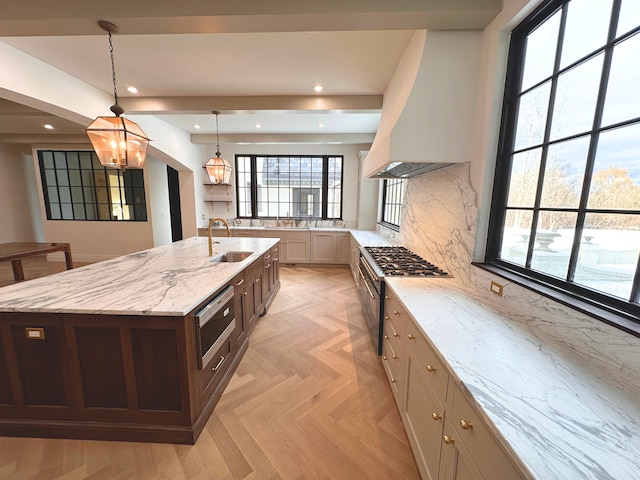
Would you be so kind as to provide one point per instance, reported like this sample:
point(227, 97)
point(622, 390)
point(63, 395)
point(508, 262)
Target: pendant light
point(118, 142)
point(218, 168)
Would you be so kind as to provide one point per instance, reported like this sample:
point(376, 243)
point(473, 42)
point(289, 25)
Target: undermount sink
point(232, 257)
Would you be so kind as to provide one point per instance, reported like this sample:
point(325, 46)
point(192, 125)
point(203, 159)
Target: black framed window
point(392, 200)
point(289, 186)
point(566, 198)
point(77, 187)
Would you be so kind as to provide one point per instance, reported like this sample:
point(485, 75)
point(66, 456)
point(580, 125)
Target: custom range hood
point(408, 169)
point(428, 108)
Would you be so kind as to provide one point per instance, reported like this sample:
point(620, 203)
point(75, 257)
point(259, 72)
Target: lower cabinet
point(354, 259)
point(448, 438)
point(323, 247)
point(423, 416)
point(296, 247)
point(240, 306)
point(343, 247)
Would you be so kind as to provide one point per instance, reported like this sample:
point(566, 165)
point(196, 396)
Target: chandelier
point(118, 142)
point(218, 168)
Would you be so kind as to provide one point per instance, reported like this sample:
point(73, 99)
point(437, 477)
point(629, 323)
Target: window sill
point(620, 320)
point(390, 226)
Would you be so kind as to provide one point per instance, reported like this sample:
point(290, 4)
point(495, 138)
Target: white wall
point(15, 215)
point(157, 189)
point(27, 80)
point(350, 173)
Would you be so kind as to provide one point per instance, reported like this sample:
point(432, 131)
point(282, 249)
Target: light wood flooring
point(309, 400)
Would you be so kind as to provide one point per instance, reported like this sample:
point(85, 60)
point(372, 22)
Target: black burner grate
point(398, 261)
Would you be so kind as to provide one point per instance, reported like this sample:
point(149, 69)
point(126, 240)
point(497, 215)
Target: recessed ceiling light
point(317, 88)
point(196, 126)
point(321, 125)
point(48, 127)
point(132, 89)
point(257, 125)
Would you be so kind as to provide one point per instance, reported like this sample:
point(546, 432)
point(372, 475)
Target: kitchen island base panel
point(130, 432)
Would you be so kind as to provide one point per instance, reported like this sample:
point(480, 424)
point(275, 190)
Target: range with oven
point(374, 264)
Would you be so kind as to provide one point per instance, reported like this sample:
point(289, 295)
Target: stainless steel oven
point(371, 292)
point(215, 323)
point(377, 262)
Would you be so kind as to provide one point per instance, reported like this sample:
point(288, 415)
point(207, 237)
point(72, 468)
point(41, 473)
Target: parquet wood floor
point(309, 401)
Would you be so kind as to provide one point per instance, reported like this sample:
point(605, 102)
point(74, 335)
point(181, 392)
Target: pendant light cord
point(217, 134)
point(113, 69)
point(217, 138)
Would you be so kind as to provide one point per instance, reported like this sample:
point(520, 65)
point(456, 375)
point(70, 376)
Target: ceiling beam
point(78, 17)
point(324, 138)
point(252, 104)
point(39, 138)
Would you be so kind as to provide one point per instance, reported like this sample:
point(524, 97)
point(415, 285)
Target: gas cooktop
point(399, 261)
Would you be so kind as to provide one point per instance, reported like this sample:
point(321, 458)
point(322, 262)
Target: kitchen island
point(111, 350)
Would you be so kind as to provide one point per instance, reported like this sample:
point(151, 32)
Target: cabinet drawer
point(393, 335)
point(488, 456)
point(425, 357)
point(392, 369)
point(215, 369)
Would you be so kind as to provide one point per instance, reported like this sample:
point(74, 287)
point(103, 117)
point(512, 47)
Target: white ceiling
point(253, 61)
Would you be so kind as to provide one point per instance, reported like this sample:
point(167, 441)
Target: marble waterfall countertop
point(169, 280)
point(563, 418)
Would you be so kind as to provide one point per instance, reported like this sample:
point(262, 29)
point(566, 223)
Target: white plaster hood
point(429, 106)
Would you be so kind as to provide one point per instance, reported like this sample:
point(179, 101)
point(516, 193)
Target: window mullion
point(547, 135)
point(593, 145)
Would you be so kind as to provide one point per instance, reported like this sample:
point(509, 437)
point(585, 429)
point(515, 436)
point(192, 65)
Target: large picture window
point(77, 187)
point(288, 186)
point(392, 200)
point(566, 202)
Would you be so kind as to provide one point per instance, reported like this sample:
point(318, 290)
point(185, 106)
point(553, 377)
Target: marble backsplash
point(439, 223)
point(289, 223)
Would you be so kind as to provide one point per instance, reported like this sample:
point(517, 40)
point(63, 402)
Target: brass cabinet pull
point(245, 293)
point(386, 317)
point(257, 280)
point(394, 356)
point(386, 337)
point(240, 282)
point(396, 335)
point(466, 425)
point(393, 380)
point(436, 416)
point(395, 312)
point(431, 368)
point(267, 265)
point(448, 440)
point(411, 337)
point(384, 358)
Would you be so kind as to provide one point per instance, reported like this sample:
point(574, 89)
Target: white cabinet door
point(343, 244)
point(296, 247)
point(323, 249)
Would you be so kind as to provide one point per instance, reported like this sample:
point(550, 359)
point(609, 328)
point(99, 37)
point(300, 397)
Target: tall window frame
point(308, 187)
point(76, 187)
point(393, 190)
point(598, 133)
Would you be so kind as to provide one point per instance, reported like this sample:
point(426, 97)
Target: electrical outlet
point(496, 288)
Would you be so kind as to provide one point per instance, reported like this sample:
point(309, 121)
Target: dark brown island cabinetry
point(120, 377)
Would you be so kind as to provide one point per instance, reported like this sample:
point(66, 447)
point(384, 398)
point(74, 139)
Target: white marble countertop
point(563, 418)
point(369, 238)
point(169, 280)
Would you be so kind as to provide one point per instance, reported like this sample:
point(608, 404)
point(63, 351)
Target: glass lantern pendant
point(118, 142)
point(218, 169)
